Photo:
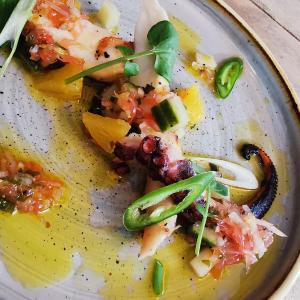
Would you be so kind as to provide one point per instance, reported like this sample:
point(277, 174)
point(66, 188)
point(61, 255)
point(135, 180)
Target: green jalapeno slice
point(227, 75)
point(137, 218)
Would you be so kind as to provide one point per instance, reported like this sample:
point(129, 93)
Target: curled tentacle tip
point(249, 149)
point(262, 201)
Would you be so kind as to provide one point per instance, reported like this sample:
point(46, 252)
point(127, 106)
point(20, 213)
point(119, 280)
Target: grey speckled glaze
point(259, 101)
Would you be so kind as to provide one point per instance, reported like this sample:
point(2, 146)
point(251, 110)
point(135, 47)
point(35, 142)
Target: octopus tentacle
point(262, 201)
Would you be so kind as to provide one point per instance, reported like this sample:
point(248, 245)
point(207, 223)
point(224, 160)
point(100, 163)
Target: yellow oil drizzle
point(188, 38)
point(38, 256)
point(189, 41)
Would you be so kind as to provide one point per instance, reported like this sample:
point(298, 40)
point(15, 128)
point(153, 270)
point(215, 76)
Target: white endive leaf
point(151, 14)
point(244, 178)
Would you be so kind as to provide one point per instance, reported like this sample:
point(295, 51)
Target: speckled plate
point(85, 253)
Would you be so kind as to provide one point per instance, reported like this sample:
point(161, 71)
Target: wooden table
point(277, 22)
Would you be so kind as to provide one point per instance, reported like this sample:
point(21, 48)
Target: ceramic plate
point(85, 253)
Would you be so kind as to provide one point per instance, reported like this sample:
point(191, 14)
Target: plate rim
point(290, 278)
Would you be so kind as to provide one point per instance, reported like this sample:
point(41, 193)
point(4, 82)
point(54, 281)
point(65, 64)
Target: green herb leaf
point(6, 8)
point(197, 168)
point(14, 27)
point(203, 222)
point(220, 188)
point(6, 206)
point(158, 278)
point(126, 51)
point(201, 210)
point(131, 69)
point(163, 37)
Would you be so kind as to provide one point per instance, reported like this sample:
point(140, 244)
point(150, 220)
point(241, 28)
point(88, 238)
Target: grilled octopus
point(152, 153)
point(262, 201)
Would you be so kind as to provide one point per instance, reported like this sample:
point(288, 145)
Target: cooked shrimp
point(58, 31)
point(154, 235)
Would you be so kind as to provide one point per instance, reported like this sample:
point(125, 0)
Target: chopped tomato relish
point(25, 186)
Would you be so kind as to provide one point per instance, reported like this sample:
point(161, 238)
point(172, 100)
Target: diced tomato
point(71, 60)
point(56, 18)
point(46, 56)
point(28, 187)
point(47, 181)
point(111, 41)
point(36, 36)
point(32, 166)
point(127, 102)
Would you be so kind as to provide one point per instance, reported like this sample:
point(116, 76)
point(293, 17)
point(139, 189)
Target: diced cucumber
point(179, 111)
point(209, 235)
point(171, 111)
point(160, 118)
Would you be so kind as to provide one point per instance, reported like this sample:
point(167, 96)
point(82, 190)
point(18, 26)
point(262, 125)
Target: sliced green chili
point(136, 218)
point(227, 75)
point(203, 222)
point(158, 278)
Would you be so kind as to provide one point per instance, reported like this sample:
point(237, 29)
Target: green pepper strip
point(158, 278)
point(134, 219)
point(203, 222)
point(227, 75)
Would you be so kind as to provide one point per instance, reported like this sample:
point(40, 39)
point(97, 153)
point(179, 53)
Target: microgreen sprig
point(162, 37)
point(203, 222)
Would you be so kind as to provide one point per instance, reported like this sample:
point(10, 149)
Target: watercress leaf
point(163, 37)
point(126, 51)
point(220, 188)
point(14, 27)
point(164, 64)
point(201, 210)
point(197, 169)
point(6, 8)
point(131, 69)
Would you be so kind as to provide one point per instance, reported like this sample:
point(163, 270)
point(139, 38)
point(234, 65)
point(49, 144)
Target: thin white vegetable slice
point(244, 178)
point(14, 27)
point(151, 14)
point(271, 227)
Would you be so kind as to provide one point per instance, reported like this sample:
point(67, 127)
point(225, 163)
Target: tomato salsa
point(25, 186)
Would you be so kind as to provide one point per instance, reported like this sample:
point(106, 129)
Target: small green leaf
point(6, 8)
point(131, 69)
point(220, 188)
point(164, 39)
point(197, 169)
point(126, 51)
point(201, 210)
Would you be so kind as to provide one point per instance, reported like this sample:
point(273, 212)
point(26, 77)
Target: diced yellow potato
point(109, 16)
point(191, 99)
point(105, 131)
point(53, 83)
